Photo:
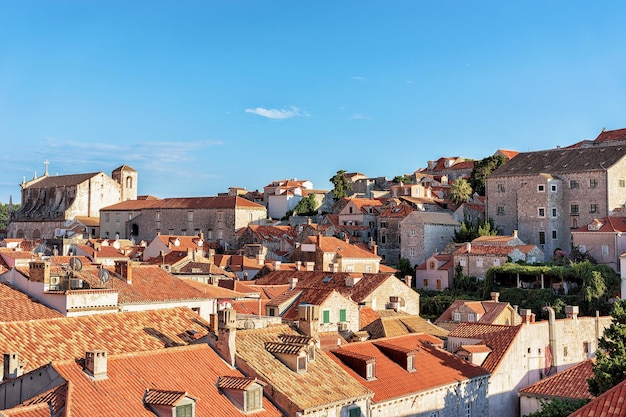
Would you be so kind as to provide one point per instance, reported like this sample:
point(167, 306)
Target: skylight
point(327, 279)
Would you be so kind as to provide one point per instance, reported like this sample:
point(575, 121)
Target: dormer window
point(456, 316)
point(292, 355)
point(244, 392)
point(170, 403)
point(370, 371)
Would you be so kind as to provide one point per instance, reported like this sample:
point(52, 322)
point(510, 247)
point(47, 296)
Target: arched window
point(129, 182)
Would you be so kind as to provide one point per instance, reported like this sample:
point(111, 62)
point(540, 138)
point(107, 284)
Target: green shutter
point(326, 316)
point(355, 412)
point(342, 315)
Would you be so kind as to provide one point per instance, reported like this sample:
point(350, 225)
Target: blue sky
point(198, 96)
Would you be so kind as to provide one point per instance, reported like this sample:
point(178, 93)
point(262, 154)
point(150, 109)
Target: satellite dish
point(103, 276)
point(76, 264)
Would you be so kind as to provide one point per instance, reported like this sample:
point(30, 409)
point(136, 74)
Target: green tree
point(4, 214)
point(482, 169)
point(460, 191)
point(610, 366)
point(307, 206)
point(404, 179)
point(470, 231)
point(341, 185)
point(404, 268)
point(558, 407)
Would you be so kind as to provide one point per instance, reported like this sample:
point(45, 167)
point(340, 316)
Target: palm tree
point(460, 191)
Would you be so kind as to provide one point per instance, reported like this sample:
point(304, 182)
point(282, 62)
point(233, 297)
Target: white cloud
point(292, 111)
point(357, 78)
point(360, 116)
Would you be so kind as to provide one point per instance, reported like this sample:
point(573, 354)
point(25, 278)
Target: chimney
point(571, 312)
point(293, 281)
point(276, 265)
point(527, 315)
point(495, 296)
point(351, 281)
point(260, 258)
point(39, 271)
point(515, 233)
point(124, 270)
point(226, 333)
point(298, 265)
point(310, 266)
point(13, 367)
point(96, 364)
point(309, 319)
point(468, 247)
point(408, 280)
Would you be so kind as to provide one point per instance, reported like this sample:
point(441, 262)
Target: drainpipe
point(551, 334)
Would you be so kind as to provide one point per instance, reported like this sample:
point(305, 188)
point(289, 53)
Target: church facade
point(51, 204)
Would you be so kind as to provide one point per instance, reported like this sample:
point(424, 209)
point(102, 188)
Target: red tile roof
point(608, 404)
point(611, 224)
point(323, 383)
point(167, 374)
point(223, 202)
point(17, 306)
point(611, 135)
point(569, 383)
point(40, 341)
point(434, 366)
point(498, 338)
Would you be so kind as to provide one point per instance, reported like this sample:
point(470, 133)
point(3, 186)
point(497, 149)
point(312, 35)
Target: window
point(542, 238)
point(383, 239)
point(553, 212)
point(220, 216)
point(412, 232)
point(342, 314)
point(399, 239)
point(158, 216)
point(593, 183)
point(185, 410)
point(271, 311)
point(574, 208)
point(541, 212)
point(425, 282)
point(479, 261)
point(302, 364)
point(605, 250)
point(553, 188)
point(117, 217)
point(410, 363)
point(355, 412)
point(467, 412)
point(593, 208)
point(496, 262)
point(326, 316)
point(370, 371)
point(582, 248)
point(554, 234)
point(412, 251)
point(107, 217)
point(622, 183)
point(368, 269)
point(438, 284)
point(253, 399)
point(383, 225)
point(471, 317)
point(434, 414)
point(500, 211)
point(431, 265)
point(541, 188)
point(190, 216)
point(500, 188)
point(573, 184)
point(456, 316)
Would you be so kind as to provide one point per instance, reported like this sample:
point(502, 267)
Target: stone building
point(424, 233)
point(546, 194)
point(389, 240)
point(217, 218)
point(50, 204)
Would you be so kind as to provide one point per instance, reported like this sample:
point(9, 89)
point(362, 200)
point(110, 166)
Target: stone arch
point(36, 234)
point(19, 234)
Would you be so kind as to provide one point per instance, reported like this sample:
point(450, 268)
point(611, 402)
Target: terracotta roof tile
point(608, 404)
point(498, 338)
point(163, 397)
point(40, 341)
point(402, 324)
point(324, 381)
point(17, 306)
point(167, 374)
point(236, 382)
point(434, 366)
point(569, 383)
